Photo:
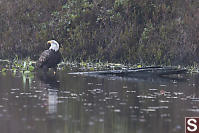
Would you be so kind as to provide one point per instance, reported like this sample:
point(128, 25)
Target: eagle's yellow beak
point(49, 42)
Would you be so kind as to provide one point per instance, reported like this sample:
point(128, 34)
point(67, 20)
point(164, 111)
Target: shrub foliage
point(125, 31)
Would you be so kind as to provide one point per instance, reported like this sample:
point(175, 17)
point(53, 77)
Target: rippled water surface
point(66, 103)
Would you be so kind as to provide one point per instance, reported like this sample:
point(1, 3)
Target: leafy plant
point(25, 66)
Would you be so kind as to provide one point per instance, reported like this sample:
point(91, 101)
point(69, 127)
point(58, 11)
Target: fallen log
point(158, 71)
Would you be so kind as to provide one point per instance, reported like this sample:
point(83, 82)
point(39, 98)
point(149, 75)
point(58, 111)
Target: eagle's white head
point(54, 45)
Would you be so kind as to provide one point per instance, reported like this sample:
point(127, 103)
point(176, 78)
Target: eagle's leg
point(54, 70)
point(45, 69)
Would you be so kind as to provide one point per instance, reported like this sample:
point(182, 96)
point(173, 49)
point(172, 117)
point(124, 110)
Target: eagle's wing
point(59, 57)
point(44, 57)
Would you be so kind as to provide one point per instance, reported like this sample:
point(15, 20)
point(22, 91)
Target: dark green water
point(80, 104)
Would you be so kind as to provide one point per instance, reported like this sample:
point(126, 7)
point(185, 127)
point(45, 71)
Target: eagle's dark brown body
point(49, 59)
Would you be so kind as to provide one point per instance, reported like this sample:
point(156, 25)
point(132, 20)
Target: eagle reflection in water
point(49, 84)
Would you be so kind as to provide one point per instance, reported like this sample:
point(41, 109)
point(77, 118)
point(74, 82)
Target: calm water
point(80, 104)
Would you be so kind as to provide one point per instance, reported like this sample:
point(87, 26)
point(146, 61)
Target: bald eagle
point(51, 57)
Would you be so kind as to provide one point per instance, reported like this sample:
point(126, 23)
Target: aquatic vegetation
point(3, 69)
point(27, 66)
point(24, 66)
